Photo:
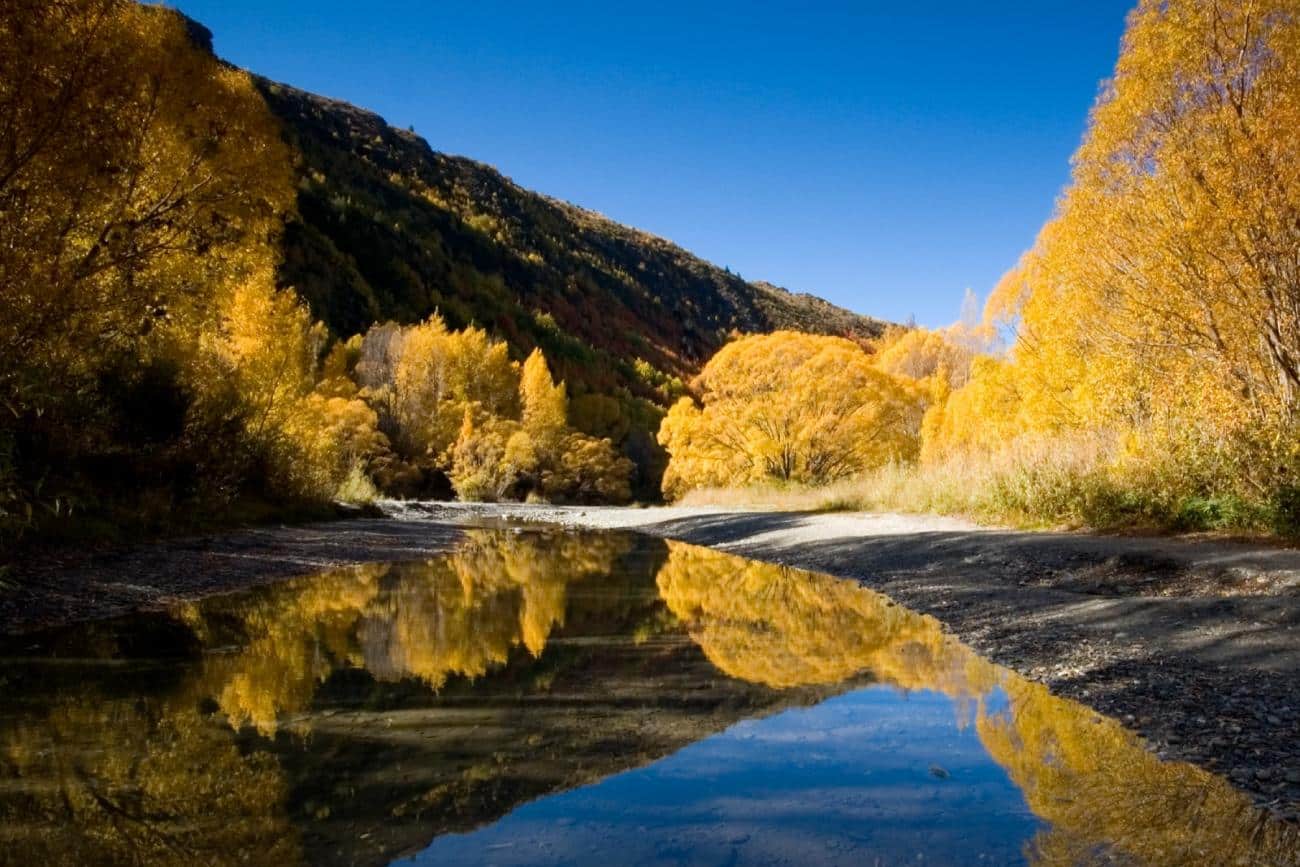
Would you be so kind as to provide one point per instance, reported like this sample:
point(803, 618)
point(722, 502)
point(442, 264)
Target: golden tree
point(545, 404)
point(1175, 246)
point(495, 457)
point(1160, 307)
point(437, 373)
point(142, 183)
point(788, 407)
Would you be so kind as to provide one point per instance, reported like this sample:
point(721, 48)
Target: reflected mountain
point(355, 716)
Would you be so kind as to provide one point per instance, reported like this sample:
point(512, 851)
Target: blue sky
point(883, 155)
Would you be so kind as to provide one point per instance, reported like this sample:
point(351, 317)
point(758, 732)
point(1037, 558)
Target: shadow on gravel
point(1093, 564)
point(74, 586)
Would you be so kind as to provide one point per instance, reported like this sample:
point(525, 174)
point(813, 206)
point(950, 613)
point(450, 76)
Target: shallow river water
point(547, 697)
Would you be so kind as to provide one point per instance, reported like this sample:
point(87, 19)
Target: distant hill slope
point(391, 229)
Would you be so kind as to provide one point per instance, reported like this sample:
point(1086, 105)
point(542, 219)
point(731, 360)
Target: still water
point(538, 697)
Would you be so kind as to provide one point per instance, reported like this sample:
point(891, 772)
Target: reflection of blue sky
point(846, 781)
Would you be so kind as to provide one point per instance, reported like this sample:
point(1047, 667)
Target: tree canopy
point(1160, 307)
point(788, 407)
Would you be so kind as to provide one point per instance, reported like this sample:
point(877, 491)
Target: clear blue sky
point(883, 155)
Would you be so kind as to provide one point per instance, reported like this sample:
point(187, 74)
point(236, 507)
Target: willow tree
point(149, 353)
point(1162, 302)
point(788, 407)
point(1179, 234)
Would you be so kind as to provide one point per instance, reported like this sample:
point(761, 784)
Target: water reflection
point(1086, 775)
point(355, 716)
point(456, 616)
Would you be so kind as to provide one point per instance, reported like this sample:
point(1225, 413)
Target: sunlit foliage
point(456, 406)
point(789, 407)
point(151, 363)
point(155, 370)
point(1160, 308)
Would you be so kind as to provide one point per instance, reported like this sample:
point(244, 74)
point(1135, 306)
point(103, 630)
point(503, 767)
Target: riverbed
point(1023, 633)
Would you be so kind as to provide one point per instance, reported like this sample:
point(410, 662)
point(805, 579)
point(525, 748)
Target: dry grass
point(1076, 482)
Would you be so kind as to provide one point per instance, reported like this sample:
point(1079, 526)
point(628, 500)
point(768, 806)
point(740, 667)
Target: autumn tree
point(788, 407)
point(1160, 308)
point(151, 359)
point(538, 455)
point(545, 404)
point(454, 404)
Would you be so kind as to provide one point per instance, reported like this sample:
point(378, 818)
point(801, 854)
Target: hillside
point(388, 228)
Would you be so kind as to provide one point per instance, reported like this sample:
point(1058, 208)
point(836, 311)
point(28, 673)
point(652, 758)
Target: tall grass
point(1074, 482)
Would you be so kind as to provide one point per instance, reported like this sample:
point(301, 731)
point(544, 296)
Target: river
point(547, 696)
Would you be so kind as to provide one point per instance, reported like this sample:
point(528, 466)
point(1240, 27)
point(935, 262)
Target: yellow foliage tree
point(1165, 294)
point(980, 417)
point(930, 356)
point(545, 404)
point(488, 458)
point(495, 457)
point(142, 185)
point(788, 407)
point(1159, 310)
point(438, 373)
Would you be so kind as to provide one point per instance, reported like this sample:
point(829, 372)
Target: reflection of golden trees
point(297, 634)
point(785, 627)
point(149, 780)
point(457, 615)
point(1094, 781)
point(134, 782)
point(1088, 776)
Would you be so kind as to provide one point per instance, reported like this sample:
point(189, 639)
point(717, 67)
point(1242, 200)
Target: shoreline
point(1194, 645)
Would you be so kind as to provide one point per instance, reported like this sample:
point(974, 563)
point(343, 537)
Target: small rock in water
point(938, 772)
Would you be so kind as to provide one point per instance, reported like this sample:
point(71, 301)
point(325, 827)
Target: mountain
point(388, 228)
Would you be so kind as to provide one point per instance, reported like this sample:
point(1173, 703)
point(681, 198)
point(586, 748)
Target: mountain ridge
point(539, 248)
